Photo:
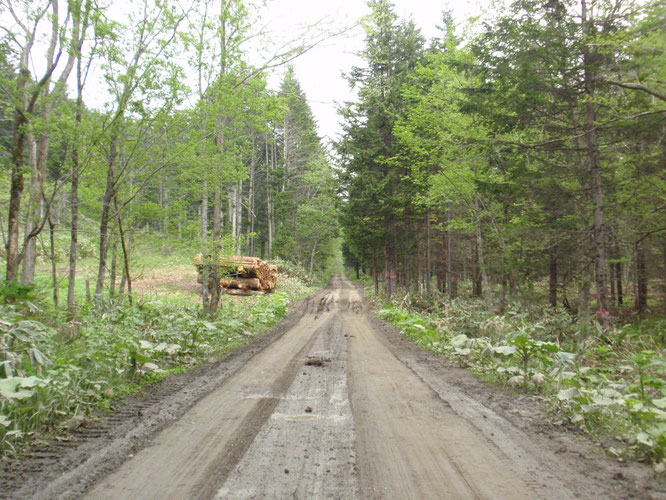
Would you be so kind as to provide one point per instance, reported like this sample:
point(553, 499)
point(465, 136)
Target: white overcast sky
point(320, 70)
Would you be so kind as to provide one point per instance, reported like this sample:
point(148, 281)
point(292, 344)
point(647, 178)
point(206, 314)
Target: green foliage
point(607, 390)
point(48, 375)
point(12, 291)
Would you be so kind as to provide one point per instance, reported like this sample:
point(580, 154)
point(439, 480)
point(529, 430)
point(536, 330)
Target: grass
point(611, 385)
point(54, 367)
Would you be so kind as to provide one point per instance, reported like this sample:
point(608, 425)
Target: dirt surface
point(181, 278)
point(332, 404)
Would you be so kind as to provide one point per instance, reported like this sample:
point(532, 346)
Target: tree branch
point(637, 86)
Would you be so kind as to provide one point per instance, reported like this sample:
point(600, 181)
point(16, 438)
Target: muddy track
point(332, 404)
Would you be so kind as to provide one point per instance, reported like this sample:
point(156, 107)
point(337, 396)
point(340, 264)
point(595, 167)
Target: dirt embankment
point(333, 404)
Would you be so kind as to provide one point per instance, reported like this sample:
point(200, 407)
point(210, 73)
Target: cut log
point(241, 283)
point(243, 273)
point(235, 291)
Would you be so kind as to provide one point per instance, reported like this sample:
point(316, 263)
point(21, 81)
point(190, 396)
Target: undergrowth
point(611, 385)
point(52, 372)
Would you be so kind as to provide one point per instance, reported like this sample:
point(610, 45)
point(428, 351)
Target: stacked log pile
point(242, 275)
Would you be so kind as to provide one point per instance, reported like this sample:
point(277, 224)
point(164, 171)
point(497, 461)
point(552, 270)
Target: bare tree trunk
point(79, 26)
point(483, 272)
point(428, 256)
point(114, 260)
point(387, 273)
point(33, 215)
point(54, 270)
point(204, 238)
point(109, 193)
point(74, 195)
point(123, 244)
point(584, 299)
point(269, 200)
point(477, 285)
point(312, 257)
point(204, 213)
point(17, 181)
point(611, 269)
point(641, 275)
point(239, 216)
point(618, 275)
point(590, 60)
point(375, 276)
point(214, 272)
point(449, 256)
point(251, 218)
point(552, 283)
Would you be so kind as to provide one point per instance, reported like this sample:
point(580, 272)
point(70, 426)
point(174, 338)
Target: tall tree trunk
point(485, 290)
point(54, 270)
point(109, 193)
point(74, 231)
point(449, 256)
point(204, 213)
point(79, 26)
point(477, 287)
point(590, 60)
point(388, 272)
point(618, 281)
point(618, 274)
point(269, 198)
point(312, 258)
point(123, 244)
point(641, 275)
point(584, 299)
point(428, 266)
point(74, 194)
point(214, 271)
point(375, 276)
point(33, 215)
point(251, 217)
point(611, 270)
point(19, 134)
point(36, 196)
point(552, 282)
point(114, 260)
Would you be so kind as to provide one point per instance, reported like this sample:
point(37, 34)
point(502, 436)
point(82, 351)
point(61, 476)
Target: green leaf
point(210, 326)
point(461, 340)
point(4, 421)
point(505, 349)
point(145, 344)
point(660, 403)
point(568, 394)
point(141, 358)
point(644, 438)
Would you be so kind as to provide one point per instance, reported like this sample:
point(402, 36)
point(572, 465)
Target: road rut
point(336, 407)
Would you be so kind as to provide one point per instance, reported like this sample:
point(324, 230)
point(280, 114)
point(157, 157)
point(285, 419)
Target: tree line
point(523, 148)
point(193, 145)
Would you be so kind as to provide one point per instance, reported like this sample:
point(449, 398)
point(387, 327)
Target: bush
point(609, 384)
point(48, 375)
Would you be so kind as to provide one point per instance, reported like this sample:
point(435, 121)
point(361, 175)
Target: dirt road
point(339, 406)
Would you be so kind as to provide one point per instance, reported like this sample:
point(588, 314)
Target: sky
point(320, 70)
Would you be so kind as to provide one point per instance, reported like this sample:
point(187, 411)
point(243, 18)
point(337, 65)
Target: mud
point(332, 404)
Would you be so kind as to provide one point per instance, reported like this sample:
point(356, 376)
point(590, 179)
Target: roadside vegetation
point(104, 202)
point(55, 369)
point(610, 385)
point(504, 193)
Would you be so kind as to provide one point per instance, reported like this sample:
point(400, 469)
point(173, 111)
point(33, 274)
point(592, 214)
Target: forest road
point(329, 410)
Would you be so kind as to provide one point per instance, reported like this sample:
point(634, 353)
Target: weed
point(613, 385)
